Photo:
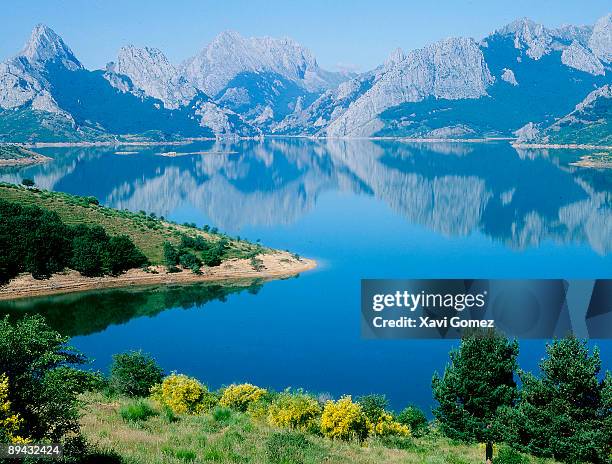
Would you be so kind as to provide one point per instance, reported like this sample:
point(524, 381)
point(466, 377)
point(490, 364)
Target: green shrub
point(43, 384)
point(134, 373)
point(508, 455)
point(292, 447)
point(221, 414)
point(373, 406)
point(137, 411)
point(415, 419)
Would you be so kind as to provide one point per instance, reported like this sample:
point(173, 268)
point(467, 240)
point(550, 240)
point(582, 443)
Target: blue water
point(362, 209)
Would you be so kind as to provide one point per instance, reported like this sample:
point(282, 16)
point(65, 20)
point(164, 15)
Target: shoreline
point(187, 141)
point(555, 146)
point(277, 265)
point(31, 159)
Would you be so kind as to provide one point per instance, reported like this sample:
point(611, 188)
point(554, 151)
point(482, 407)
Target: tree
point(477, 383)
point(373, 406)
point(414, 418)
point(122, 255)
point(171, 256)
point(134, 373)
point(27, 182)
point(566, 413)
point(42, 382)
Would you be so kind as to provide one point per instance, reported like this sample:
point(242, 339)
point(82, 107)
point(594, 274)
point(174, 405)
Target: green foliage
point(221, 414)
point(171, 256)
point(415, 419)
point(95, 253)
point(134, 373)
point(43, 385)
point(373, 406)
point(32, 240)
point(213, 255)
point(508, 455)
point(478, 382)
point(564, 413)
point(27, 182)
point(137, 411)
point(291, 448)
point(36, 240)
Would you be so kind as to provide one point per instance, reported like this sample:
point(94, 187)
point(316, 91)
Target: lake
point(362, 209)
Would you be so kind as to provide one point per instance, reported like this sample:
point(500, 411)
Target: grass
point(146, 231)
point(137, 411)
point(225, 436)
point(10, 152)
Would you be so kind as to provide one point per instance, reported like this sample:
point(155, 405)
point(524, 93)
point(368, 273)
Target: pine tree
point(477, 383)
point(566, 412)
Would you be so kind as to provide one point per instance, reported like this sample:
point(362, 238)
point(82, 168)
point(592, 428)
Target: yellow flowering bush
point(240, 396)
point(295, 411)
point(9, 422)
point(344, 419)
point(386, 426)
point(182, 394)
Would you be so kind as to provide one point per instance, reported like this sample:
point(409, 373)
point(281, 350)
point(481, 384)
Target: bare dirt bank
point(275, 266)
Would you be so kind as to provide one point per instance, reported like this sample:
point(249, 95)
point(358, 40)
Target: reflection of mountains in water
point(91, 312)
point(520, 198)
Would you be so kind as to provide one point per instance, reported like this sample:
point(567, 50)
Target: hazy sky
point(352, 33)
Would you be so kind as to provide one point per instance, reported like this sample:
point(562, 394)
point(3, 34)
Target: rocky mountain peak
point(230, 54)
point(45, 46)
point(150, 71)
point(601, 38)
point(528, 35)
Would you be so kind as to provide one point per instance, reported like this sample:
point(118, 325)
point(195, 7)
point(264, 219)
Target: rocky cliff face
point(149, 70)
point(151, 74)
point(450, 69)
point(230, 54)
point(22, 78)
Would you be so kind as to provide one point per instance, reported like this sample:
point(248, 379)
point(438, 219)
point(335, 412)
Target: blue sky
point(353, 33)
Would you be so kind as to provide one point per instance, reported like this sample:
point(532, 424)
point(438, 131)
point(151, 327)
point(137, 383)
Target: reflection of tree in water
point(86, 313)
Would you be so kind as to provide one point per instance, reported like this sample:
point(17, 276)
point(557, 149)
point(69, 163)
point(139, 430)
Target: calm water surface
point(363, 209)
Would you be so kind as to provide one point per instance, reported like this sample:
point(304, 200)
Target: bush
point(344, 419)
point(414, 418)
point(171, 256)
point(134, 373)
point(291, 447)
point(137, 411)
point(386, 426)
point(373, 406)
point(9, 423)
point(295, 411)
point(508, 455)
point(213, 255)
point(222, 415)
point(240, 396)
point(182, 394)
point(43, 385)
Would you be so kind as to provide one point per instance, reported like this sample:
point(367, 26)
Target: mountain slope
point(589, 123)
point(261, 78)
point(461, 88)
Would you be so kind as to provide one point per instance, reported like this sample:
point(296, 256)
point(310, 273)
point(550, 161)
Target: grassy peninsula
point(158, 251)
point(15, 155)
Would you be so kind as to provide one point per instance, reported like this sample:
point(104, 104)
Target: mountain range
point(523, 80)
